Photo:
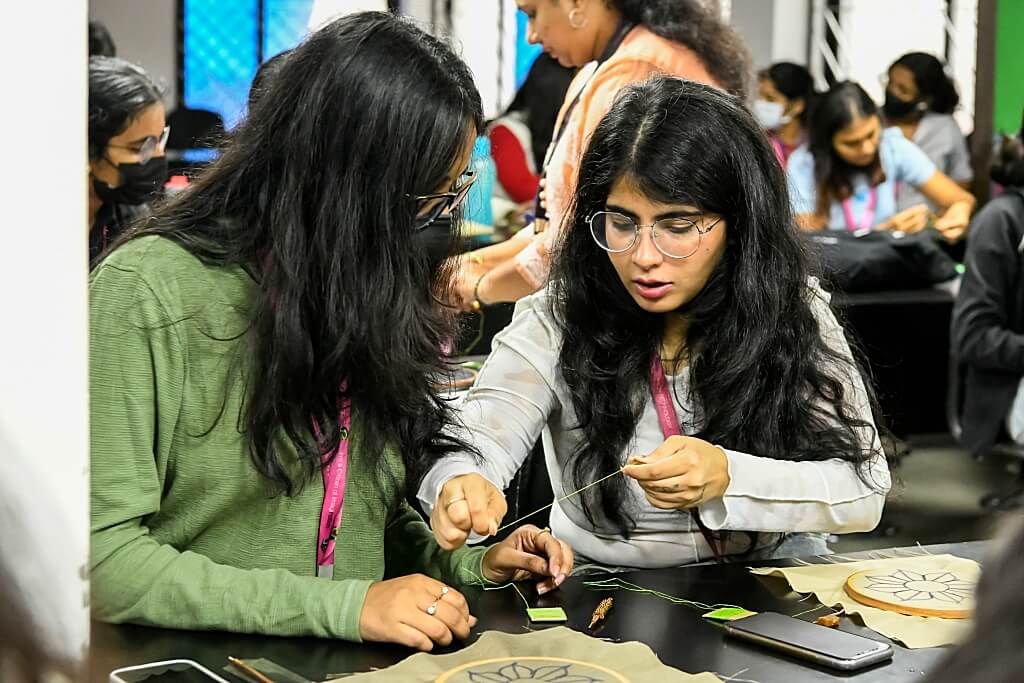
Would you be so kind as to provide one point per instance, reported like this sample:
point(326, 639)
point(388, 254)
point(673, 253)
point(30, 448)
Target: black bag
point(881, 260)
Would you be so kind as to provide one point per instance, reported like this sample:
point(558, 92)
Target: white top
point(520, 395)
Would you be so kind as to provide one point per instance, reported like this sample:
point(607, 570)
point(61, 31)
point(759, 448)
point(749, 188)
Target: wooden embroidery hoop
point(903, 591)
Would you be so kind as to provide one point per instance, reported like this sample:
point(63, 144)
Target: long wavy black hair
point(698, 27)
point(313, 197)
point(761, 377)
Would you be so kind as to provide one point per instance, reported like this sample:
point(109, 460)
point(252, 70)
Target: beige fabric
point(556, 654)
point(826, 581)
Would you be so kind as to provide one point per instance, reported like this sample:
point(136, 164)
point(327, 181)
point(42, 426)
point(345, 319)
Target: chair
point(1004, 447)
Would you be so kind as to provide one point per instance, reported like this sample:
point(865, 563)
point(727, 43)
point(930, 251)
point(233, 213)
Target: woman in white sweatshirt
point(682, 342)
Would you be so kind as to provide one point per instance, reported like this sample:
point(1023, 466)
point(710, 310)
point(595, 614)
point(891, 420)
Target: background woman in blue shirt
point(847, 176)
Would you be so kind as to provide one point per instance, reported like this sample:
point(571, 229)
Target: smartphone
point(171, 671)
point(828, 646)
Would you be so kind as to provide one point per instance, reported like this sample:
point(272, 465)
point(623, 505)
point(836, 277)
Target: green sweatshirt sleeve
point(411, 547)
point(137, 369)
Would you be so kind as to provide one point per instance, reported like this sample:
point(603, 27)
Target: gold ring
point(545, 530)
point(453, 501)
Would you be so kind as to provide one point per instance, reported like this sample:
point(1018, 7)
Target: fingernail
point(559, 579)
point(472, 621)
point(542, 589)
point(494, 529)
point(553, 569)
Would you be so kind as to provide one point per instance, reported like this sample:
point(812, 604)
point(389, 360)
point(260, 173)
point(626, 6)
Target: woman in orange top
point(616, 42)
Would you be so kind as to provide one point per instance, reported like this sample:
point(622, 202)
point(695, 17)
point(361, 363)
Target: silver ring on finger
point(432, 608)
point(444, 591)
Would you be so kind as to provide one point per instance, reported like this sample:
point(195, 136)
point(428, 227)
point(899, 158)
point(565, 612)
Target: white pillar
point(43, 353)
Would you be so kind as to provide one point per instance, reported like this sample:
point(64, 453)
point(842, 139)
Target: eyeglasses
point(430, 207)
point(149, 146)
point(674, 237)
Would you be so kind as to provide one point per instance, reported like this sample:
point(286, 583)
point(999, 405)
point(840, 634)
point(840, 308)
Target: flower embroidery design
point(907, 586)
point(520, 673)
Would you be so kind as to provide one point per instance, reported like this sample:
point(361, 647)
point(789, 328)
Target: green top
point(185, 532)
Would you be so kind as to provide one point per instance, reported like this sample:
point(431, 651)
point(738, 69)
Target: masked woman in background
point(127, 134)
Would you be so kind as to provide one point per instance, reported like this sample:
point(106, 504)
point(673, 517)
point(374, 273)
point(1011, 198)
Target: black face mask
point(436, 240)
point(895, 108)
point(137, 183)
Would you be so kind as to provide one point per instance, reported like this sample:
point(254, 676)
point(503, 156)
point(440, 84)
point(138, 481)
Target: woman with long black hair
point(261, 359)
point(682, 342)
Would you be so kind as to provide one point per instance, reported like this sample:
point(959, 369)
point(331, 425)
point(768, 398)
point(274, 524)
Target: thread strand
point(559, 500)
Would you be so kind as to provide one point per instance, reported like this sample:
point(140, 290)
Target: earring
point(574, 16)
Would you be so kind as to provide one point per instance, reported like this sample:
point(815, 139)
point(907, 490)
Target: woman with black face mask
point(127, 134)
point(920, 100)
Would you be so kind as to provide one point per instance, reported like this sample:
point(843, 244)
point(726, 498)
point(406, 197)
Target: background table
point(676, 633)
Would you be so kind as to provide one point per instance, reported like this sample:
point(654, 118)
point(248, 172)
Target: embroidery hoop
point(447, 675)
point(945, 594)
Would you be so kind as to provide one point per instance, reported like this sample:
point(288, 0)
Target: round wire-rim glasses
point(430, 207)
point(682, 231)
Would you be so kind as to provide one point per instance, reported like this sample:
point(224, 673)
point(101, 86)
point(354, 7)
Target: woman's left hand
point(464, 281)
point(953, 224)
point(681, 473)
point(529, 552)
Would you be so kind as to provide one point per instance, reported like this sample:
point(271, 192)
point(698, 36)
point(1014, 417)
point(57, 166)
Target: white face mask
point(771, 115)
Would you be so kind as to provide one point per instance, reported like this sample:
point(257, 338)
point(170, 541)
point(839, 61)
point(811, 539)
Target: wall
point(774, 30)
point(1009, 80)
point(754, 20)
point(43, 377)
point(879, 31)
point(475, 37)
point(790, 23)
point(145, 33)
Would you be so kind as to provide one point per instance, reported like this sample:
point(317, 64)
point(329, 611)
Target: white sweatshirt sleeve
point(504, 413)
point(766, 494)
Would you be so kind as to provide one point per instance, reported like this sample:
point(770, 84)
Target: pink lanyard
point(334, 498)
point(869, 212)
point(669, 421)
point(780, 150)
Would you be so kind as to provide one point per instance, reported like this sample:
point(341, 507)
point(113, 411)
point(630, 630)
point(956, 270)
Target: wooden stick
point(249, 670)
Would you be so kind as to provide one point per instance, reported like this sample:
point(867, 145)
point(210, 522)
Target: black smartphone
point(822, 645)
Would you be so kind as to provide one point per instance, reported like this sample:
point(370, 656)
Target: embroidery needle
point(249, 671)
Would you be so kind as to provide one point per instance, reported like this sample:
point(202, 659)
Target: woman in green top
point(286, 296)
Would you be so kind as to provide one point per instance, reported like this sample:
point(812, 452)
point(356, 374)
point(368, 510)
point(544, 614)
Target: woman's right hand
point(396, 611)
point(911, 220)
point(466, 503)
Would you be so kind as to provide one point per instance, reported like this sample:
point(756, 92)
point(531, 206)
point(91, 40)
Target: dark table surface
point(678, 634)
